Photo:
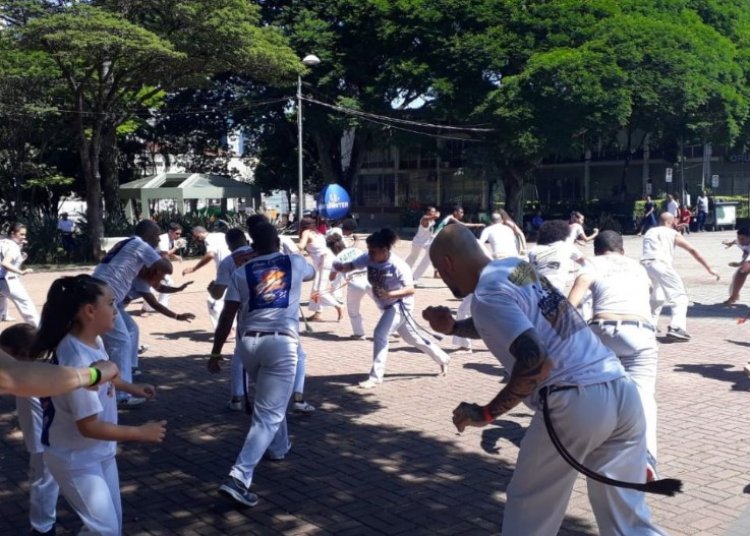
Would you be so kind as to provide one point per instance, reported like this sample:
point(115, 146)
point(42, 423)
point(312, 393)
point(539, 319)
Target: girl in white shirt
point(11, 287)
point(80, 430)
point(314, 244)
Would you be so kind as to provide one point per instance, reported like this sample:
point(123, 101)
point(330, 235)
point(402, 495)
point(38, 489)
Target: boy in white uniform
point(666, 284)
point(216, 250)
point(118, 269)
point(621, 288)
point(421, 243)
point(556, 363)
point(169, 244)
point(268, 289)
point(554, 257)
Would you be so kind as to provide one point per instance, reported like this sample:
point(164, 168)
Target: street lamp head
point(311, 60)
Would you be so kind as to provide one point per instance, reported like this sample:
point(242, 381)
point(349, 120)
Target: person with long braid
point(393, 288)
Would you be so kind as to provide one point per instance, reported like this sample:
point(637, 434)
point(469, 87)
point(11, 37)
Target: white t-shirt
point(349, 255)
point(66, 226)
point(235, 259)
point(216, 243)
point(317, 248)
point(502, 240)
point(288, 247)
point(122, 264)
point(702, 202)
point(658, 244)
point(620, 286)
point(29, 412)
point(424, 234)
point(60, 435)
point(576, 230)
point(510, 298)
point(393, 274)
point(10, 249)
point(673, 207)
point(558, 262)
point(268, 290)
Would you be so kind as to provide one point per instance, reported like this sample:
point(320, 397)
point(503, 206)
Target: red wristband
point(487, 414)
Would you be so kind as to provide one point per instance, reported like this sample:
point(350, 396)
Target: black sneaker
point(235, 490)
point(50, 532)
point(678, 334)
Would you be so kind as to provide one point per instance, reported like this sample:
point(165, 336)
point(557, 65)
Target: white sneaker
point(8, 318)
point(132, 402)
point(303, 407)
point(368, 384)
point(358, 337)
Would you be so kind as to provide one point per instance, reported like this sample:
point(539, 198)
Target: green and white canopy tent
point(182, 187)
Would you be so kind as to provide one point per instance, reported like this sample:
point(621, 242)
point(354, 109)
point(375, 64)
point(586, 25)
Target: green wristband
point(95, 376)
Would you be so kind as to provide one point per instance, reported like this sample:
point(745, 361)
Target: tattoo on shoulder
point(465, 328)
point(529, 353)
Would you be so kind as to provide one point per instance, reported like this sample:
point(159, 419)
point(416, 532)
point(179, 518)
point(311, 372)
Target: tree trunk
point(89, 150)
point(110, 179)
point(513, 180)
point(326, 157)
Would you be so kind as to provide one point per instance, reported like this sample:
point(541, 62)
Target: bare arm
point(532, 367)
point(442, 321)
point(158, 307)
point(304, 239)
point(93, 428)
point(687, 246)
point(223, 328)
point(208, 257)
point(581, 285)
point(22, 378)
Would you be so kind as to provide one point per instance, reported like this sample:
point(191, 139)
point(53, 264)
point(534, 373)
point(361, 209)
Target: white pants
point(215, 307)
point(12, 288)
point(356, 289)
point(121, 343)
point(270, 361)
point(93, 492)
point(637, 349)
point(42, 494)
point(236, 375)
point(602, 426)
point(424, 262)
point(322, 286)
point(667, 288)
point(464, 312)
point(394, 318)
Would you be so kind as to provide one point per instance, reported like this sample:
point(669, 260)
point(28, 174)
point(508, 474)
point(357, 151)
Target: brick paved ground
point(389, 461)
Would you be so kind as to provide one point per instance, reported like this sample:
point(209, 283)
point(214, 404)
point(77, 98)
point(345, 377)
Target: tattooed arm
point(532, 367)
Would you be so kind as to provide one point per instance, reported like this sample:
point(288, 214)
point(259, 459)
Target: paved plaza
point(389, 461)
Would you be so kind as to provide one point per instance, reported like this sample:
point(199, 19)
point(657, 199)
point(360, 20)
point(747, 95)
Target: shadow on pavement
point(721, 372)
point(717, 310)
point(343, 476)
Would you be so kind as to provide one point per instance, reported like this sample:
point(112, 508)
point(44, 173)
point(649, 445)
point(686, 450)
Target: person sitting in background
point(683, 225)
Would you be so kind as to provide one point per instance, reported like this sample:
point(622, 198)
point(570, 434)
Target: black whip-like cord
point(665, 486)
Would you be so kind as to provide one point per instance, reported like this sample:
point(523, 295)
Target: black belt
point(253, 333)
point(638, 323)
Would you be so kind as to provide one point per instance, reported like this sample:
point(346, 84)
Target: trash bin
point(725, 214)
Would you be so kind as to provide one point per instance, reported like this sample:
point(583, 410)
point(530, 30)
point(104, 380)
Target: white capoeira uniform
point(560, 263)
point(224, 277)
point(420, 244)
point(268, 290)
point(118, 269)
point(43, 489)
point(666, 284)
point(165, 244)
point(322, 259)
point(216, 243)
point(11, 287)
point(84, 468)
point(394, 274)
point(576, 231)
point(598, 418)
point(621, 286)
point(357, 287)
point(502, 241)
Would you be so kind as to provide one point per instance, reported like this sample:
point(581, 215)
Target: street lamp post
point(310, 60)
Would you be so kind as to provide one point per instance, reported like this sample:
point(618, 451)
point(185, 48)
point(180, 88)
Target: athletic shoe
point(677, 333)
point(271, 458)
point(302, 407)
point(235, 490)
point(8, 318)
point(137, 372)
point(368, 384)
point(132, 402)
point(142, 349)
point(462, 350)
point(747, 370)
point(358, 337)
point(236, 404)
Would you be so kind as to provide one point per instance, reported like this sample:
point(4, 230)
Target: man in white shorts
point(216, 250)
point(620, 288)
point(118, 269)
point(666, 284)
point(268, 289)
point(559, 365)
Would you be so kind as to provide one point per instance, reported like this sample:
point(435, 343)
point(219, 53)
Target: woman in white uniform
point(421, 243)
point(314, 244)
point(11, 286)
